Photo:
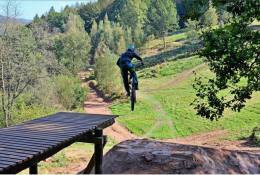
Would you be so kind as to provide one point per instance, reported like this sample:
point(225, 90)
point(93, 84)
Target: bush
point(107, 73)
point(69, 92)
point(255, 137)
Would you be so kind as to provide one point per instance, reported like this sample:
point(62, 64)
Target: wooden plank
point(70, 120)
point(35, 136)
point(7, 160)
point(14, 151)
point(54, 132)
point(2, 167)
point(52, 127)
point(42, 133)
point(21, 147)
point(62, 124)
point(28, 140)
point(6, 163)
point(63, 115)
point(29, 145)
point(21, 138)
point(15, 157)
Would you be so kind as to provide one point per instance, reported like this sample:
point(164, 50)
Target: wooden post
point(33, 169)
point(98, 151)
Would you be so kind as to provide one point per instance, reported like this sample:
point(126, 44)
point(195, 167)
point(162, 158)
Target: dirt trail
point(97, 105)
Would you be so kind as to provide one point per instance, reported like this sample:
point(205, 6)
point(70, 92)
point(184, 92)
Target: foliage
point(255, 137)
point(106, 72)
point(56, 19)
point(91, 11)
point(232, 52)
point(225, 17)
point(72, 47)
point(19, 66)
point(69, 92)
point(194, 9)
point(112, 35)
point(161, 18)
point(210, 17)
point(193, 30)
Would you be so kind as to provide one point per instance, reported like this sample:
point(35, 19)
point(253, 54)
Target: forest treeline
point(40, 61)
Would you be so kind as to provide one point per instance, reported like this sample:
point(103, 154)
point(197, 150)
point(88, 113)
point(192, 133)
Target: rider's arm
point(138, 57)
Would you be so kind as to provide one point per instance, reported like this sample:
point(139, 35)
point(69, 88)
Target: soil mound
point(146, 156)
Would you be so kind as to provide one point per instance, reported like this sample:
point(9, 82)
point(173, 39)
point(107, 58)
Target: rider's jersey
point(127, 57)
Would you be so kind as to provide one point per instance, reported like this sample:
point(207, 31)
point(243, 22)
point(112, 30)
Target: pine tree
point(75, 23)
point(210, 17)
point(108, 32)
point(162, 17)
point(128, 36)
point(36, 19)
point(72, 47)
point(94, 28)
point(138, 35)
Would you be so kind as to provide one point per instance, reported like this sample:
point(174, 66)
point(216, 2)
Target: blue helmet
point(131, 47)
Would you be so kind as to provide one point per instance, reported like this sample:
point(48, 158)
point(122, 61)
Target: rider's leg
point(124, 73)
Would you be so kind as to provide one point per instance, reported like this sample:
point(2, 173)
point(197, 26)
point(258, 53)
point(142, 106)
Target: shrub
point(107, 73)
point(255, 137)
point(69, 92)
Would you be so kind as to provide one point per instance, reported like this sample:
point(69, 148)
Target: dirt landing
point(145, 157)
point(95, 104)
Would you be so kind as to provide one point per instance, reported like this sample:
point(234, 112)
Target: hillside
point(18, 20)
point(164, 102)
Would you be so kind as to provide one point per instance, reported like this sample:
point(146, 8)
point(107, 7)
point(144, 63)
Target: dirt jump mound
point(145, 156)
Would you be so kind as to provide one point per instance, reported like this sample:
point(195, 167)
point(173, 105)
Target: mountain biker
point(124, 62)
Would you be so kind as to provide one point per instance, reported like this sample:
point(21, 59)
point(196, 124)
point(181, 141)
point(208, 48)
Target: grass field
point(164, 111)
point(157, 43)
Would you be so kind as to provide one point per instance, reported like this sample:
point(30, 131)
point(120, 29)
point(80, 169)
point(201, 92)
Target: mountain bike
point(132, 92)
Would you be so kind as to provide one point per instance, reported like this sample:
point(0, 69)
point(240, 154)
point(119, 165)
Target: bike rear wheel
point(133, 96)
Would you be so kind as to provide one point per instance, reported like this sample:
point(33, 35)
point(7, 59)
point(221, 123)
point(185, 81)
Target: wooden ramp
point(23, 146)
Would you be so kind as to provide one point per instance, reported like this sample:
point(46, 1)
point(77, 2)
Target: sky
point(29, 8)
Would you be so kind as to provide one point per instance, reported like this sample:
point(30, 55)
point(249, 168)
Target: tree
point(72, 47)
point(57, 20)
point(19, 67)
point(161, 18)
point(210, 17)
point(194, 9)
point(193, 29)
point(108, 33)
point(233, 54)
point(74, 24)
point(225, 17)
point(106, 72)
point(36, 19)
point(92, 11)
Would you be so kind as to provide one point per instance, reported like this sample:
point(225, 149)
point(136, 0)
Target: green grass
point(164, 110)
point(169, 40)
point(170, 68)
